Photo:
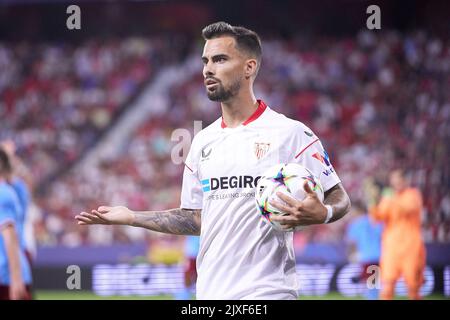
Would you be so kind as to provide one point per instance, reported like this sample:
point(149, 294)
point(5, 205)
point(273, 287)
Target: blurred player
point(364, 237)
point(190, 269)
point(403, 250)
point(15, 273)
point(240, 256)
point(21, 182)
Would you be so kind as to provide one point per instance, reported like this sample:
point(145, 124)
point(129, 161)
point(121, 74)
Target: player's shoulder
point(293, 126)
point(206, 134)
point(6, 189)
point(19, 184)
point(7, 193)
point(414, 192)
point(211, 129)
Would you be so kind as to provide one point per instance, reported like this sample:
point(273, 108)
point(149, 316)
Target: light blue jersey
point(366, 235)
point(192, 245)
point(9, 213)
point(21, 189)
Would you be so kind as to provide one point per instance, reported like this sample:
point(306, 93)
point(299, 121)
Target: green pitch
point(88, 295)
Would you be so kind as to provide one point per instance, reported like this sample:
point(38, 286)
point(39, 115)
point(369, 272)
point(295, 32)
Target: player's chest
point(247, 153)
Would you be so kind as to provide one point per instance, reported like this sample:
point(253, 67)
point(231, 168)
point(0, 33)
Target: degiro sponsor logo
point(229, 182)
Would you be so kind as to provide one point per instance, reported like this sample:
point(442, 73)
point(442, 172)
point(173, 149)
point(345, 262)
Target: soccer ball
point(288, 179)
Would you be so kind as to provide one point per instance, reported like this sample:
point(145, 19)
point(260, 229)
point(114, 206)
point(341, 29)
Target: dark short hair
point(246, 40)
point(359, 205)
point(403, 172)
point(5, 164)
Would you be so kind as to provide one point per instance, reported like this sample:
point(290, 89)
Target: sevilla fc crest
point(261, 149)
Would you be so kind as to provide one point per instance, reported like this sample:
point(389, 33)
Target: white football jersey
point(241, 256)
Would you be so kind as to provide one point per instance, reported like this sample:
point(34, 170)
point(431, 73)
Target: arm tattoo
point(337, 197)
point(175, 221)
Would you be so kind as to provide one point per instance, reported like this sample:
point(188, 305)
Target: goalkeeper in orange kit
point(402, 251)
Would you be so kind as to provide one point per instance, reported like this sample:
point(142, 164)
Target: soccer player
point(402, 251)
point(15, 272)
point(191, 248)
point(240, 256)
point(364, 237)
point(20, 181)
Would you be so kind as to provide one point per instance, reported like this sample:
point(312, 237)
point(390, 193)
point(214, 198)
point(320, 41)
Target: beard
point(220, 94)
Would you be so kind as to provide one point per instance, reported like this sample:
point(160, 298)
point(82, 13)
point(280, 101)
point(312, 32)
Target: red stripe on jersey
point(309, 145)
point(258, 112)
point(188, 167)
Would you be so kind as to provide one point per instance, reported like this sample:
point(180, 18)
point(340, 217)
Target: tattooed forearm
point(337, 197)
point(175, 221)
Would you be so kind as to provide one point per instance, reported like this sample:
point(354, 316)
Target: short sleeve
point(191, 191)
point(7, 213)
point(310, 153)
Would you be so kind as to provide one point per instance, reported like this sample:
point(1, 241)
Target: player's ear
point(251, 65)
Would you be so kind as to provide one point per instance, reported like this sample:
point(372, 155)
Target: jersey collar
point(258, 112)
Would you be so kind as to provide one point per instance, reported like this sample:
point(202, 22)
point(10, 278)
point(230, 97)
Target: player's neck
point(239, 109)
point(401, 190)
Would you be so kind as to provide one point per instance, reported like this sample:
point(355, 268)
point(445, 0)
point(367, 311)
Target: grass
point(88, 295)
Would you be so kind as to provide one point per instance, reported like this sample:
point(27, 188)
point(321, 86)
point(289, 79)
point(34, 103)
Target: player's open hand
point(300, 213)
point(106, 215)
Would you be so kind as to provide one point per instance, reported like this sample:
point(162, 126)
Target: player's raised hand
point(106, 215)
point(300, 213)
point(371, 191)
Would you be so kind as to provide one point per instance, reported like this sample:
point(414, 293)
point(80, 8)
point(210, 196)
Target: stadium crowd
point(58, 97)
point(376, 101)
